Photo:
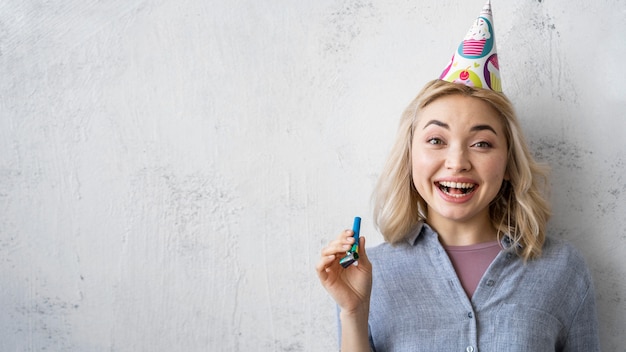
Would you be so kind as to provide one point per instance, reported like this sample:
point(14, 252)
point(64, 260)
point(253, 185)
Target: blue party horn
point(352, 255)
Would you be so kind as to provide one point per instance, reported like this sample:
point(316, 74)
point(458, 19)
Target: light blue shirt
point(418, 303)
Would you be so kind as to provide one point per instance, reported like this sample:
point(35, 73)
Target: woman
point(466, 264)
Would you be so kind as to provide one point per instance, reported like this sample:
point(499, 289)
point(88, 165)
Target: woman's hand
point(349, 287)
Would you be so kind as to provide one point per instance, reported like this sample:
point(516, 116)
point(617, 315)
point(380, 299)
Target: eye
point(435, 141)
point(482, 145)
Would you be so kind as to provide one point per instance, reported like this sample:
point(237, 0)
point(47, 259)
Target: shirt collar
point(417, 230)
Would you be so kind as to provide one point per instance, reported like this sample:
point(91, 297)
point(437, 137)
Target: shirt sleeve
point(583, 331)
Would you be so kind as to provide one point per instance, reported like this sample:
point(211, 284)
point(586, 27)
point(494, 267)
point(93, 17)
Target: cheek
point(423, 166)
point(418, 164)
point(498, 164)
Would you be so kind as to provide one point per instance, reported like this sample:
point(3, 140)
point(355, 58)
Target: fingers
point(342, 243)
point(362, 252)
point(335, 250)
point(332, 252)
point(323, 265)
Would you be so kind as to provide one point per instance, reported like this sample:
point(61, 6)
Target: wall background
point(170, 170)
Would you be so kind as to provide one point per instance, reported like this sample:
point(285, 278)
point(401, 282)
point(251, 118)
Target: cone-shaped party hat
point(475, 63)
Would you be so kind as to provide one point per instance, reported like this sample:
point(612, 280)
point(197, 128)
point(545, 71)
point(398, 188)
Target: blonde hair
point(520, 210)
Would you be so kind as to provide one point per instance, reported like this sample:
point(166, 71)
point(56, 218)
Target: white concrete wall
point(169, 170)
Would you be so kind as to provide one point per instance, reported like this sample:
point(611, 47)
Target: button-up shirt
point(418, 303)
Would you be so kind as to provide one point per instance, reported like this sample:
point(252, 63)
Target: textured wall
point(169, 170)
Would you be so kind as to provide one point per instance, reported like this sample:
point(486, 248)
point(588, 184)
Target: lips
point(456, 189)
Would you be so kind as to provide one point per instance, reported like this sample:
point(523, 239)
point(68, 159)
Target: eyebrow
point(473, 129)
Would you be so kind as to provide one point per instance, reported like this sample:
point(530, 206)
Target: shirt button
point(469, 349)
point(470, 315)
point(490, 283)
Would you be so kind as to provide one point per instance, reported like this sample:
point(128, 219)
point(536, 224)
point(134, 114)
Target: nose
point(457, 160)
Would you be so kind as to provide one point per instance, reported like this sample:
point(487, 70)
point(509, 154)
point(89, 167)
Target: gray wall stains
point(170, 170)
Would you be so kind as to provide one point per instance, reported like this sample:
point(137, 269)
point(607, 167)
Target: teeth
point(460, 185)
point(455, 195)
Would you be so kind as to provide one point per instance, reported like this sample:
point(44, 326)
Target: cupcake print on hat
point(475, 62)
point(492, 73)
point(478, 42)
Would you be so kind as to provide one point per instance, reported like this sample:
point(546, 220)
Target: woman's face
point(459, 159)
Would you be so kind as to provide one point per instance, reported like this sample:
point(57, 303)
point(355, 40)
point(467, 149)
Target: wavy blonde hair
point(520, 211)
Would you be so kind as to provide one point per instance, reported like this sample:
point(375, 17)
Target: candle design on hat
point(475, 62)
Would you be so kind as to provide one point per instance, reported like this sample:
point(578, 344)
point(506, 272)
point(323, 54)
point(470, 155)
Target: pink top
point(471, 262)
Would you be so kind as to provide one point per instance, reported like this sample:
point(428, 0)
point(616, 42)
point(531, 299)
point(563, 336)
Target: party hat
point(475, 62)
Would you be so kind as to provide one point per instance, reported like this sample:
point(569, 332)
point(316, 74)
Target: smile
point(456, 189)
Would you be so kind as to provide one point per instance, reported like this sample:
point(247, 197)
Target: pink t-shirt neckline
point(470, 262)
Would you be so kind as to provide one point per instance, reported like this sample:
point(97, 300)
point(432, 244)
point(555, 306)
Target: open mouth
point(456, 189)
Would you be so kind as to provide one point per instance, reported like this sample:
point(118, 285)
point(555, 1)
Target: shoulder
point(381, 250)
point(420, 252)
point(380, 254)
point(563, 262)
point(558, 251)
point(407, 246)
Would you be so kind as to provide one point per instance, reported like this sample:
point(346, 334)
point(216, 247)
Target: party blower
point(352, 255)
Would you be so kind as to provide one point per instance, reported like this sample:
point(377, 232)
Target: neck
point(459, 233)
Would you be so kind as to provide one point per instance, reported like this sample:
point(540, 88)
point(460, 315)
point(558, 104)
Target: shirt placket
point(469, 334)
point(485, 290)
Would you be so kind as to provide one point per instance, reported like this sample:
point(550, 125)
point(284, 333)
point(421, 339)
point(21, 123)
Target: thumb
point(362, 252)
